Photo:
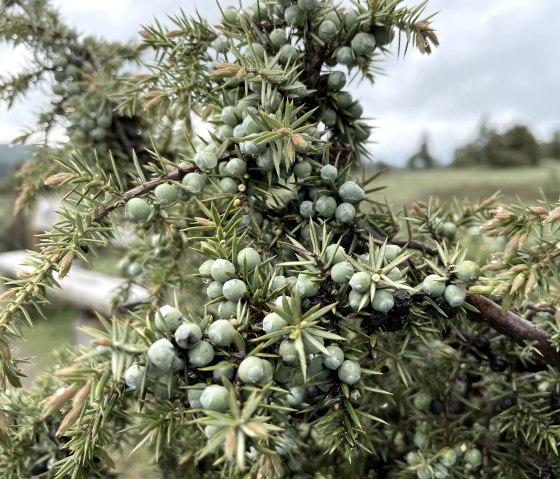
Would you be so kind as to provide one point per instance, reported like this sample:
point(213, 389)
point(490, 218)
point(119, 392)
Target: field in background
point(44, 337)
point(404, 187)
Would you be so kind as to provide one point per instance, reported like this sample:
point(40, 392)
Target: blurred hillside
point(13, 230)
point(12, 156)
point(404, 187)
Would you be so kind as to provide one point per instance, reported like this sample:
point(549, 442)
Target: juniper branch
point(409, 243)
point(515, 327)
point(510, 324)
point(118, 124)
point(142, 189)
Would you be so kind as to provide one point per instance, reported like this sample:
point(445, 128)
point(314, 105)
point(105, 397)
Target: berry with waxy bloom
point(228, 185)
point(201, 354)
point(206, 160)
point(273, 322)
point(234, 289)
point(350, 192)
point(221, 332)
point(345, 213)
point(325, 206)
point(294, 17)
point(391, 252)
point(205, 268)
point(349, 372)
point(138, 209)
point(360, 282)
point(473, 457)
point(251, 370)
point(250, 257)
point(222, 270)
point(231, 116)
point(306, 286)
point(215, 398)
point(357, 300)
point(328, 172)
point(306, 209)
point(227, 309)
point(335, 359)
point(168, 318)
point(344, 56)
point(363, 44)
point(215, 290)
point(188, 335)
point(161, 354)
point(225, 370)
point(235, 166)
point(335, 82)
point(382, 301)
point(193, 395)
point(288, 352)
point(134, 375)
point(342, 272)
point(467, 271)
point(336, 253)
point(434, 285)
point(455, 295)
point(343, 100)
point(303, 169)
point(165, 194)
point(278, 37)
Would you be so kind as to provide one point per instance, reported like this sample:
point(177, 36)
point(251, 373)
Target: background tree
point(328, 335)
point(551, 149)
point(422, 158)
point(515, 147)
point(555, 145)
point(475, 152)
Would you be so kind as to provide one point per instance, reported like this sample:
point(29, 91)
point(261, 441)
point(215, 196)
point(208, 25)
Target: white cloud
point(495, 58)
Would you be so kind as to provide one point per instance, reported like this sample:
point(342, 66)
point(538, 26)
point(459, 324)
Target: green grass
point(137, 465)
point(406, 187)
point(44, 337)
point(107, 261)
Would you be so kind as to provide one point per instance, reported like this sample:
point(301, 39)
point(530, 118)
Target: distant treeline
point(516, 146)
point(12, 156)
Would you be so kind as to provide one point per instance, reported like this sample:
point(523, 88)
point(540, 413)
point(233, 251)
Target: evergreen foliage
point(296, 325)
point(514, 147)
point(422, 158)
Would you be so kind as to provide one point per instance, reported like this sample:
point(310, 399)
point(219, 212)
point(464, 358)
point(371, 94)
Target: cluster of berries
point(446, 462)
point(452, 288)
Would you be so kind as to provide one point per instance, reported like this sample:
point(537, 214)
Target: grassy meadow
point(404, 187)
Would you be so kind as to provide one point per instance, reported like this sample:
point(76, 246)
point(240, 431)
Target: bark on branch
point(515, 327)
point(510, 324)
point(140, 190)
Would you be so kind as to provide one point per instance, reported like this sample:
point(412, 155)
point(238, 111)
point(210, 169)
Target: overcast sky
point(497, 58)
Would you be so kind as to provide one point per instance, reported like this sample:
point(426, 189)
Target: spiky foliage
point(84, 77)
point(296, 325)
